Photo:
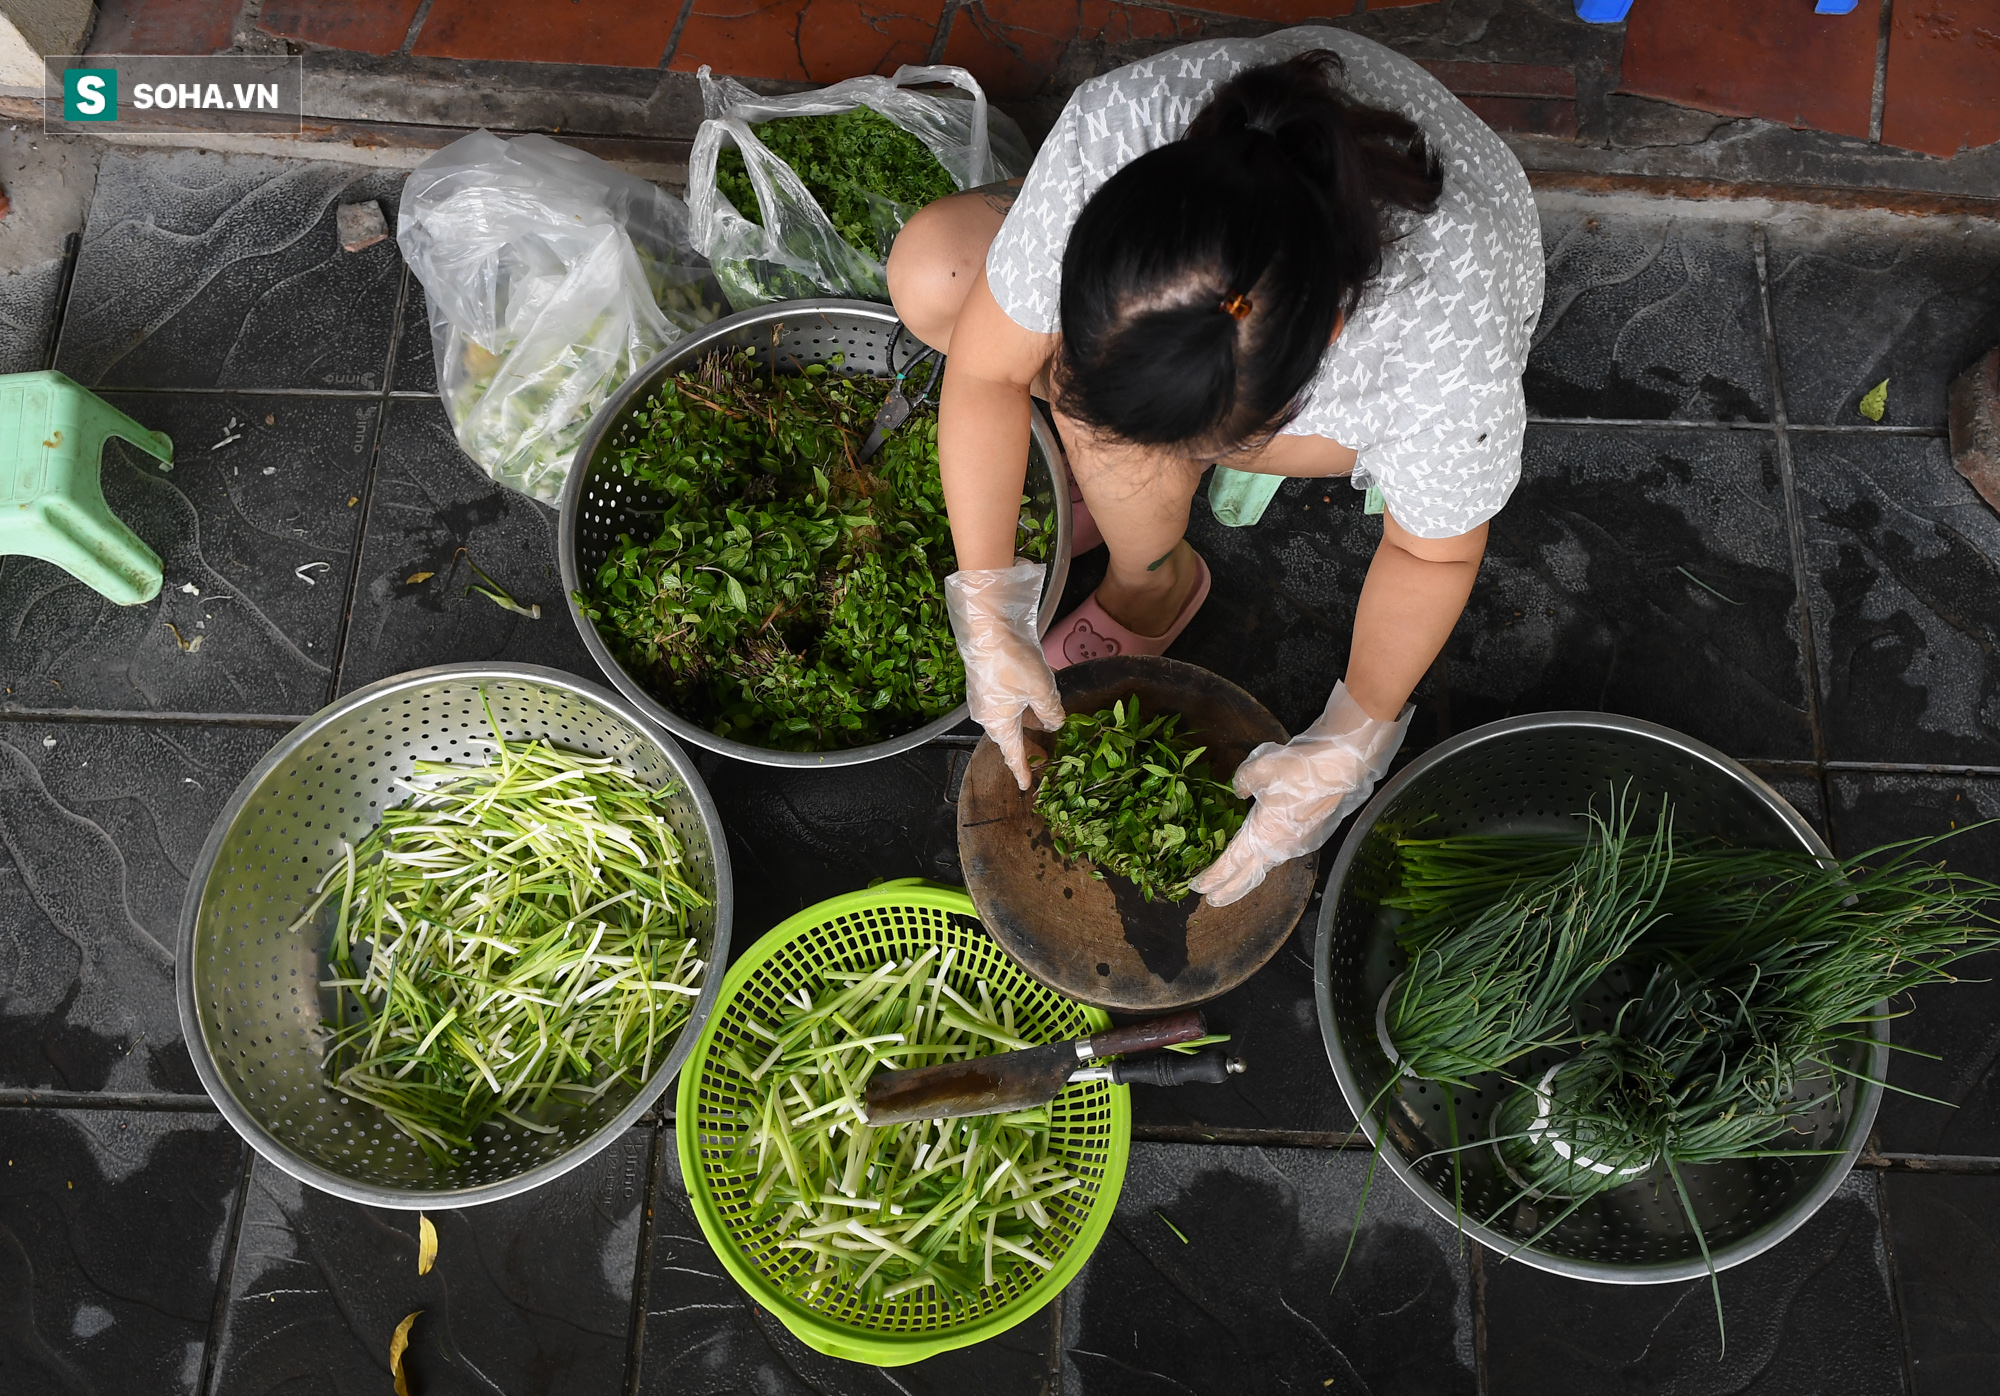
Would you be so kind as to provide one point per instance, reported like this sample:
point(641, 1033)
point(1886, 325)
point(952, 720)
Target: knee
point(930, 272)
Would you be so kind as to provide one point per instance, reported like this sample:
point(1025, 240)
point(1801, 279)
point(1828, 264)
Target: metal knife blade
point(895, 411)
point(982, 1086)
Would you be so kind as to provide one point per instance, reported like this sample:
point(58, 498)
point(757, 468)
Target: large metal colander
point(250, 1001)
point(599, 504)
point(1536, 773)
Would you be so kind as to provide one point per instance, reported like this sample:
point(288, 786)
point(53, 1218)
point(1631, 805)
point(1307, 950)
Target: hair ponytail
point(1202, 283)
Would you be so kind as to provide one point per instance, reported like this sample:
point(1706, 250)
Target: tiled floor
point(1706, 535)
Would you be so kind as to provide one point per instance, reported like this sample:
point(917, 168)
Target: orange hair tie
point(1237, 306)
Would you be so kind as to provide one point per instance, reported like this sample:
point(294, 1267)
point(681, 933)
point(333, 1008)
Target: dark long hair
point(1203, 281)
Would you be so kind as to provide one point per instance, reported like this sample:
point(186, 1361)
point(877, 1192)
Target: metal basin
point(248, 988)
point(598, 505)
point(1530, 773)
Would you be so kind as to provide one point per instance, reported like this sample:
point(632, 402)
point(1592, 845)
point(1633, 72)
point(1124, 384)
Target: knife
point(1035, 1075)
point(897, 408)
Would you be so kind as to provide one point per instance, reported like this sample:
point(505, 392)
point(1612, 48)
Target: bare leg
point(1140, 499)
point(937, 255)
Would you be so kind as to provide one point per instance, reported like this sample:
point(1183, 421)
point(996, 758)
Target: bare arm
point(1415, 592)
point(983, 415)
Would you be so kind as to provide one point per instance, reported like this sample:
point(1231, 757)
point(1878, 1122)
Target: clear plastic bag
point(797, 252)
point(552, 278)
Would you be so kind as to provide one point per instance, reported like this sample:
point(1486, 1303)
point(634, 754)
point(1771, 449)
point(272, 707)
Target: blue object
point(1614, 11)
point(1835, 7)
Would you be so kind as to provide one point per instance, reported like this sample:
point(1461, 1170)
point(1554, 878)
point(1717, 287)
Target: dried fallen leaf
point(427, 1244)
point(1875, 401)
point(399, 1343)
point(416, 577)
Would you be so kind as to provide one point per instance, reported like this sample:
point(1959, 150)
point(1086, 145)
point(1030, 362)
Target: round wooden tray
point(1099, 939)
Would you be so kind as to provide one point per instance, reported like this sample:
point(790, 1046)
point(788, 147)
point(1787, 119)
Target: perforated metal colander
point(250, 1001)
point(598, 504)
point(1536, 773)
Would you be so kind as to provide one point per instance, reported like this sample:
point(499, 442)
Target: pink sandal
point(1088, 632)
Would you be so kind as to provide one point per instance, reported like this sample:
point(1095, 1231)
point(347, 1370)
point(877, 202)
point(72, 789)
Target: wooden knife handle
point(1144, 1037)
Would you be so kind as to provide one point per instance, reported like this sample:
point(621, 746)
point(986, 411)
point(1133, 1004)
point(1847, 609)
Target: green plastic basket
point(1091, 1125)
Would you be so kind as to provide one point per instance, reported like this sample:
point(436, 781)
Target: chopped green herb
point(1164, 1221)
point(952, 1205)
point(513, 942)
point(1134, 797)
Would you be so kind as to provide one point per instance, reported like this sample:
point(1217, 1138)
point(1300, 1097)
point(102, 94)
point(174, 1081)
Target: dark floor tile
point(1247, 1302)
point(704, 1335)
point(799, 836)
point(112, 1232)
point(256, 540)
point(1945, 1233)
point(1957, 1023)
point(101, 824)
point(1801, 792)
point(433, 518)
point(1904, 563)
point(1646, 573)
point(1280, 613)
point(1273, 1025)
point(1648, 317)
point(1812, 1315)
point(28, 316)
point(415, 368)
point(1855, 301)
point(530, 1294)
point(200, 270)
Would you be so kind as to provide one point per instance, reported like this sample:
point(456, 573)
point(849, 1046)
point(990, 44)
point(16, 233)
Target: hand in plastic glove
point(994, 614)
point(1303, 790)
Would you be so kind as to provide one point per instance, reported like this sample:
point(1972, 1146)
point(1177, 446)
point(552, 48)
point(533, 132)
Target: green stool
point(52, 434)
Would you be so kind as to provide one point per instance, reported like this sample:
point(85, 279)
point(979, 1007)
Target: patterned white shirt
point(1424, 382)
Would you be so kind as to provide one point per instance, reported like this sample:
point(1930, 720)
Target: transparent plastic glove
point(1303, 790)
point(994, 614)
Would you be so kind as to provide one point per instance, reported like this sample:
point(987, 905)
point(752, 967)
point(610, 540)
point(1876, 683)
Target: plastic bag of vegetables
point(552, 278)
point(764, 219)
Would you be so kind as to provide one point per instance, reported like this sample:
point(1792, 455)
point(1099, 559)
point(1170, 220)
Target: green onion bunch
point(951, 1205)
point(1133, 796)
point(1495, 973)
point(510, 944)
point(1759, 973)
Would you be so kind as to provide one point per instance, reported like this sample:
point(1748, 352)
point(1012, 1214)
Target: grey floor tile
point(256, 539)
point(113, 1226)
point(1904, 563)
point(1958, 1024)
point(1945, 1232)
point(1856, 299)
point(1813, 1315)
point(200, 270)
point(705, 1336)
point(434, 516)
point(101, 825)
point(530, 1294)
point(1247, 1302)
point(1648, 317)
point(28, 316)
point(1640, 572)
